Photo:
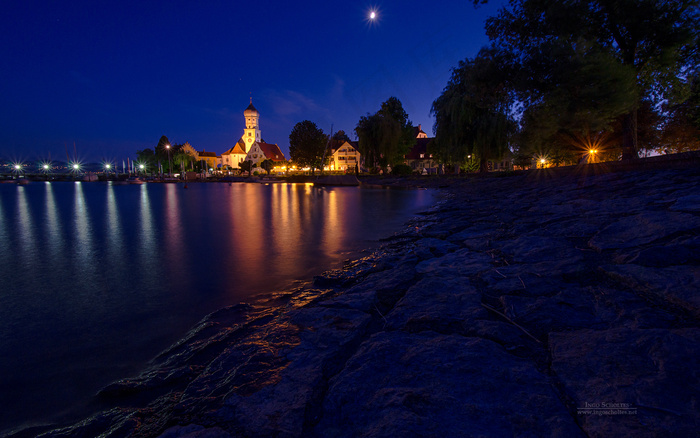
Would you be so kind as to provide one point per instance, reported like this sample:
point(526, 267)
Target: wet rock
point(678, 285)
point(430, 248)
point(520, 280)
point(690, 203)
point(662, 256)
point(478, 232)
point(401, 384)
point(642, 229)
point(328, 337)
point(445, 305)
point(567, 310)
point(460, 263)
point(651, 373)
point(195, 431)
point(535, 249)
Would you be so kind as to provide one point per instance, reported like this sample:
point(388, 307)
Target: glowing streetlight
point(45, 167)
point(18, 167)
point(170, 166)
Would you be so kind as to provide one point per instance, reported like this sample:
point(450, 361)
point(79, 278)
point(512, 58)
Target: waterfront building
point(213, 161)
point(345, 158)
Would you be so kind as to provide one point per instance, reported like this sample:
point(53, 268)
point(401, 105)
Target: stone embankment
point(539, 304)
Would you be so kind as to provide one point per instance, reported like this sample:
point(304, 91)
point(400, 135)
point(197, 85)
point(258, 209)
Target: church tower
point(251, 133)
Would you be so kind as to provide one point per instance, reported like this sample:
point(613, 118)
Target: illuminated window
point(422, 155)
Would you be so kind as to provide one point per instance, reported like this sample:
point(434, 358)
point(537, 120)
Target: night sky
point(115, 76)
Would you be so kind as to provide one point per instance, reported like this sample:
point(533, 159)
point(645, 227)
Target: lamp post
point(170, 174)
point(592, 155)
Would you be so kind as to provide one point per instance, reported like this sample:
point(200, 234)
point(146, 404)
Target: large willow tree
point(472, 115)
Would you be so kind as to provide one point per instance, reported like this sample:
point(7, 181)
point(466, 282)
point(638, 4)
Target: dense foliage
point(307, 144)
point(594, 70)
point(386, 136)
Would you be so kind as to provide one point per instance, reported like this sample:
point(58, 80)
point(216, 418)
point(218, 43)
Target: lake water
point(96, 279)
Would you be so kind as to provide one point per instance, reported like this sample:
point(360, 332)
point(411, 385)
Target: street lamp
point(170, 174)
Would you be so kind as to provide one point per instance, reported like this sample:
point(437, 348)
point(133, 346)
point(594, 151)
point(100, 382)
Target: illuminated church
point(251, 147)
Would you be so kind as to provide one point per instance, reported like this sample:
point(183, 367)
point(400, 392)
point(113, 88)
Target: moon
point(372, 15)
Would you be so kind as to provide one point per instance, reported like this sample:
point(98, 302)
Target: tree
point(681, 129)
point(386, 136)
point(246, 166)
point(267, 164)
point(182, 159)
point(307, 143)
point(656, 40)
point(340, 137)
point(147, 157)
point(472, 113)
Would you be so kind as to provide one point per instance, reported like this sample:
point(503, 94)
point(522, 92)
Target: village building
point(345, 158)
point(187, 147)
point(210, 158)
point(418, 157)
point(251, 147)
point(233, 157)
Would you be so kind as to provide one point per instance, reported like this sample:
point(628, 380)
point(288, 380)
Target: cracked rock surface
point(528, 305)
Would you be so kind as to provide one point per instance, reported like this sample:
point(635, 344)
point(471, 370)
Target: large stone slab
point(535, 249)
point(328, 337)
point(571, 308)
point(690, 203)
point(443, 304)
point(459, 263)
point(642, 229)
point(631, 382)
point(401, 384)
point(679, 285)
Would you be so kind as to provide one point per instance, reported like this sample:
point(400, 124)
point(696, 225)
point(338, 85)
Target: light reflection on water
point(97, 279)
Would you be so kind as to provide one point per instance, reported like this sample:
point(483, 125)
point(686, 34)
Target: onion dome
point(250, 111)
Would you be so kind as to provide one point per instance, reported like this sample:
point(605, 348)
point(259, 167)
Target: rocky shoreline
point(534, 304)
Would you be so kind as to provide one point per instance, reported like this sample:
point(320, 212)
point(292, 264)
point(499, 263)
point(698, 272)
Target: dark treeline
point(560, 78)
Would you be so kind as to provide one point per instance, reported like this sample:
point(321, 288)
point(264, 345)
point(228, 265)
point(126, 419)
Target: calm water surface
point(95, 279)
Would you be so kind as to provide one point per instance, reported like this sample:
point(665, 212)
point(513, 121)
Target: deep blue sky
point(115, 76)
